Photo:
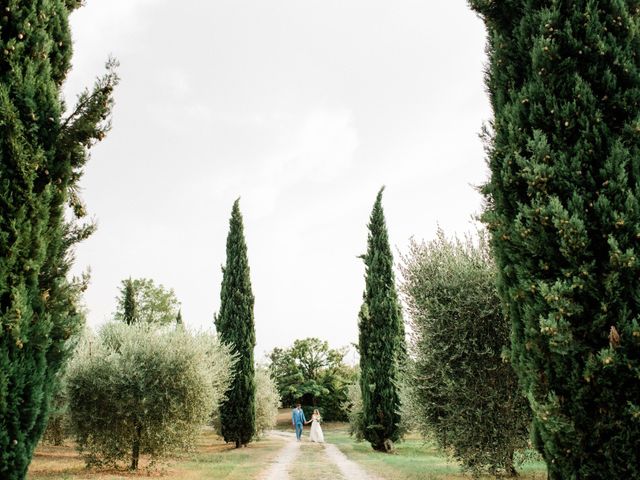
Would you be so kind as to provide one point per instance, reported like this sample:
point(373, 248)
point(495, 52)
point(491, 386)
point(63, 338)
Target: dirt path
point(348, 468)
point(286, 460)
point(279, 469)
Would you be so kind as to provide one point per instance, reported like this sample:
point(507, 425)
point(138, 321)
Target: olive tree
point(464, 389)
point(267, 401)
point(135, 390)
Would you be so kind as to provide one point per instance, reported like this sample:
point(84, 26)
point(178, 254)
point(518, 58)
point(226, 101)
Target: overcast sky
point(304, 109)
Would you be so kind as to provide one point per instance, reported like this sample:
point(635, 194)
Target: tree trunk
point(510, 467)
point(135, 450)
point(237, 443)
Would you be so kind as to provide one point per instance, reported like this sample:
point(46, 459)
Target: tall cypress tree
point(235, 326)
point(130, 314)
point(381, 341)
point(42, 155)
point(564, 154)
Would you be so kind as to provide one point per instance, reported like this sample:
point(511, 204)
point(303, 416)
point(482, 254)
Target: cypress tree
point(130, 314)
point(381, 340)
point(235, 326)
point(179, 319)
point(42, 155)
point(564, 154)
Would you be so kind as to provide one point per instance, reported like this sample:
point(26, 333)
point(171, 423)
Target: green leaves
point(563, 212)
point(141, 300)
point(314, 374)
point(381, 340)
point(42, 163)
point(235, 326)
point(464, 392)
point(132, 376)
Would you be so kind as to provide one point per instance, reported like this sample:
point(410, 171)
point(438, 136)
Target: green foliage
point(381, 343)
point(42, 156)
point(267, 401)
point(465, 394)
point(563, 212)
point(313, 374)
point(129, 310)
point(58, 428)
point(236, 328)
point(135, 390)
point(353, 407)
point(141, 300)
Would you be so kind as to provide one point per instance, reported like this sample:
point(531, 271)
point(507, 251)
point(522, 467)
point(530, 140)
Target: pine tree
point(179, 319)
point(42, 155)
point(564, 154)
point(130, 314)
point(381, 342)
point(235, 326)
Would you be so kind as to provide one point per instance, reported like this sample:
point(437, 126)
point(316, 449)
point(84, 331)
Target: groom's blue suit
point(298, 420)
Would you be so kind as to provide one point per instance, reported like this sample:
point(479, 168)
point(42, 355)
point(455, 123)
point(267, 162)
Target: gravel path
point(287, 457)
point(348, 468)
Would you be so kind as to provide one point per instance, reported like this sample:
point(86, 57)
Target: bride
point(316, 432)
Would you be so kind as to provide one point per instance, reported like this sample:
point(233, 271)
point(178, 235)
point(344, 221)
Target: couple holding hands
point(298, 420)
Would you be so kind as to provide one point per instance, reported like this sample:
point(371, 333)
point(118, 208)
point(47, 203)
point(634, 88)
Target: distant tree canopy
point(142, 301)
point(313, 374)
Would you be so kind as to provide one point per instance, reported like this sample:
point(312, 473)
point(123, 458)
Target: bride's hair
point(316, 412)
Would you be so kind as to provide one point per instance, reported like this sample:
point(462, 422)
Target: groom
point(298, 420)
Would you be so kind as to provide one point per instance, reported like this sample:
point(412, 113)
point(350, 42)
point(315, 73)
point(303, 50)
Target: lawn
point(212, 459)
point(414, 459)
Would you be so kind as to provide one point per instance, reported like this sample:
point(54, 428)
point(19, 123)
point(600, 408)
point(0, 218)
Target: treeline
point(563, 217)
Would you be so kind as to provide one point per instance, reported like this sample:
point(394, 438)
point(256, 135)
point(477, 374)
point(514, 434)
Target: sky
point(302, 108)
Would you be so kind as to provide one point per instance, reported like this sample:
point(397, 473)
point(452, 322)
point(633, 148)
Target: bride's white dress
point(316, 432)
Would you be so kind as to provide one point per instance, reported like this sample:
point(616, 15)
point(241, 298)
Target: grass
point(414, 459)
point(211, 459)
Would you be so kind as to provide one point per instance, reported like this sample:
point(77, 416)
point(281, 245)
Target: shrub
point(134, 390)
point(267, 401)
point(354, 409)
point(58, 424)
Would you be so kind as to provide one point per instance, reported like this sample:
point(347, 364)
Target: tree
point(129, 314)
point(381, 340)
point(153, 304)
point(133, 390)
point(179, 319)
point(563, 212)
point(42, 155)
point(312, 373)
point(236, 328)
point(464, 392)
